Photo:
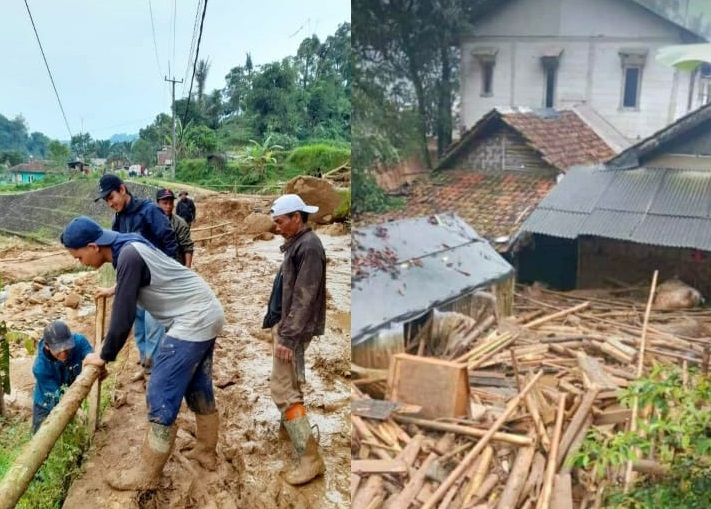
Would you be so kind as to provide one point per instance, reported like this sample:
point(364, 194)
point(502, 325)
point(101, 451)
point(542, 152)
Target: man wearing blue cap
point(58, 363)
point(134, 215)
point(186, 306)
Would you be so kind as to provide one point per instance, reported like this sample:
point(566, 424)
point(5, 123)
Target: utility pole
point(174, 149)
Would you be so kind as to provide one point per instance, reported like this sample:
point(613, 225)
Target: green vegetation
point(678, 431)
point(247, 129)
point(310, 159)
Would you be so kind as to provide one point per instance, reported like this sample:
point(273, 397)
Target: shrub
point(310, 158)
point(343, 212)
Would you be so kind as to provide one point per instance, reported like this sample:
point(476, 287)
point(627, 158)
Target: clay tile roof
point(495, 205)
point(561, 137)
point(563, 140)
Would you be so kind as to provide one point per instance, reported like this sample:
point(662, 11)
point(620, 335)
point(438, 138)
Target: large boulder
point(315, 191)
point(257, 222)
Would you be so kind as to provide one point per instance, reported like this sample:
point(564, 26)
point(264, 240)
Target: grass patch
point(51, 483)
point(308, 159)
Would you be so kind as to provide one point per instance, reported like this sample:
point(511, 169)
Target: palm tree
point(203, 67)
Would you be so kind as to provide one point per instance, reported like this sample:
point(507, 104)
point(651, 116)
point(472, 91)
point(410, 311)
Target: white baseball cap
point(289, 203)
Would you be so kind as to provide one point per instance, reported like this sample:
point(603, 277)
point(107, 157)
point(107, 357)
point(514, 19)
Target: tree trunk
point(33, 454)
point(422, 117)
point(444, 113)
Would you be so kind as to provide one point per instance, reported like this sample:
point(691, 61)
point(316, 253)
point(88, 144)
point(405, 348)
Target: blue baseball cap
point(83, 230)
point(107, 184)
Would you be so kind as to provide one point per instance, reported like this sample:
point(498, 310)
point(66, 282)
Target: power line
point(155, 43)
point(51, 78)
point(197, 52)
point(175, 18)
point(196, 25)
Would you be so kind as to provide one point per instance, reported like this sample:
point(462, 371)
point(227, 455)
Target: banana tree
point(685, 57)
point(260, 156)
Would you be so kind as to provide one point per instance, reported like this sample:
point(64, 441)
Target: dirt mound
point(235, 210)
point(258, 222)
point(315, 191)
point(675, 294)
point(334, 229)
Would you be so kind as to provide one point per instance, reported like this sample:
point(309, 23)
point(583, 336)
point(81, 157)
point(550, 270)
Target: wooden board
point(373, 408)
point(440, 387)
point(378, 467)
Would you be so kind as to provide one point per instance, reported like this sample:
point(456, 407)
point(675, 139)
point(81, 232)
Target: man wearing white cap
point(296, 313)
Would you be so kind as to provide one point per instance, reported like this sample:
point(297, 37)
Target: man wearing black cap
point(58, 363)
point(166, 200)
point(135, 215)
point(186, 208)
point(179, 299)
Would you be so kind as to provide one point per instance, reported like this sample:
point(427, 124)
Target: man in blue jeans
point(134, 215)
point(181, 301)
point(58, 363)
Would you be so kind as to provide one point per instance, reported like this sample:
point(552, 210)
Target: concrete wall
point(591, 33)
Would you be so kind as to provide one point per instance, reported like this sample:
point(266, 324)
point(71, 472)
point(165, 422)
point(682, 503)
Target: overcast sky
point(103, 59)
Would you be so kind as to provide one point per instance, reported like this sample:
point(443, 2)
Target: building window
point(487, 78)
point(550, 87)
point(550, 59)
point(630, 89)
point(632, 60)
point(487, 60)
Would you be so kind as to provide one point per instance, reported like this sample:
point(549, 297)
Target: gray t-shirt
point(177, 297)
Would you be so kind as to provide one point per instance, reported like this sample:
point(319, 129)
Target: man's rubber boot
point(157, 447)
point(310, 463)
point(283, 433)
point(206, 433)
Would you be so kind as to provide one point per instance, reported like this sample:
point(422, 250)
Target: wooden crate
point(440, 387)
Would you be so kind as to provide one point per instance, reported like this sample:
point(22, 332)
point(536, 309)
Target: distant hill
point(120, 138)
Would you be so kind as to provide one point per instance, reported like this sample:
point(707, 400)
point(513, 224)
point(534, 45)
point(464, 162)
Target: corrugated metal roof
point(657, 206)
point(439, 258)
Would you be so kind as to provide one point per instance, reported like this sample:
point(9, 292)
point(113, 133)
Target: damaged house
point(404, 270)
point(504, 166)
point(648, 208)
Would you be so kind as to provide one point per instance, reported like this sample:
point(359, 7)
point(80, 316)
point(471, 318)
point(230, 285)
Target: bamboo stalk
point(509, 438)
point(33, 454)
point(640, 368)
point(479, 474)
point(95, 393)
point(544, 501)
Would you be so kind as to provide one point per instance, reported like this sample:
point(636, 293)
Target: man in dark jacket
point(297, 313)
point(186, 208)
point(136, 215)
point(165, 198)
point(58, 363)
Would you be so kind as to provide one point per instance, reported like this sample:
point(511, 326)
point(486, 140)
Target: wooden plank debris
point(537, 384)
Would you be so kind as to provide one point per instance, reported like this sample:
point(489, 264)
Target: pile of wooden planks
point(539, 382)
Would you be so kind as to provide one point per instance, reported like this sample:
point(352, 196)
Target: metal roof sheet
point(426, 274)
point(659, 206)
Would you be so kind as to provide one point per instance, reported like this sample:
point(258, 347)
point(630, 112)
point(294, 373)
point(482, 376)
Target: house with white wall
point(596, 54)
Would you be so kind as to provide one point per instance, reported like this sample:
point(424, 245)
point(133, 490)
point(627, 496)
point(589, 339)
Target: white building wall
point(591, 33)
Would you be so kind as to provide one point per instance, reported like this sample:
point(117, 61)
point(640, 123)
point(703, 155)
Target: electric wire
point(197, 53)
point(51, 78)
point(196, 25)
point(175, 19)
point(155, 42)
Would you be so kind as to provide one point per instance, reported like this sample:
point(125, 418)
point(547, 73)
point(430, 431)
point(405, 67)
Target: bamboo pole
point(95, 394)
point(33, 454)
point(457, 472)
point(640, 368)
point(551, 467)
point(509, 438)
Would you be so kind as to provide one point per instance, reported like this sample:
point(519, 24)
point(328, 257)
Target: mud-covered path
point(251, 458)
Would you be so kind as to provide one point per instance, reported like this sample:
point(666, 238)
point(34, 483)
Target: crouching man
point(58, 363)
point(184, 304)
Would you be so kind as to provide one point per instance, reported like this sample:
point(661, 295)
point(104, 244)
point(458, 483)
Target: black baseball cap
point(107, 184)
point(164, 193)
point(58, 337)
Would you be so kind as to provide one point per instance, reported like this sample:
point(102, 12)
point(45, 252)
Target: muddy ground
point(252, 460)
